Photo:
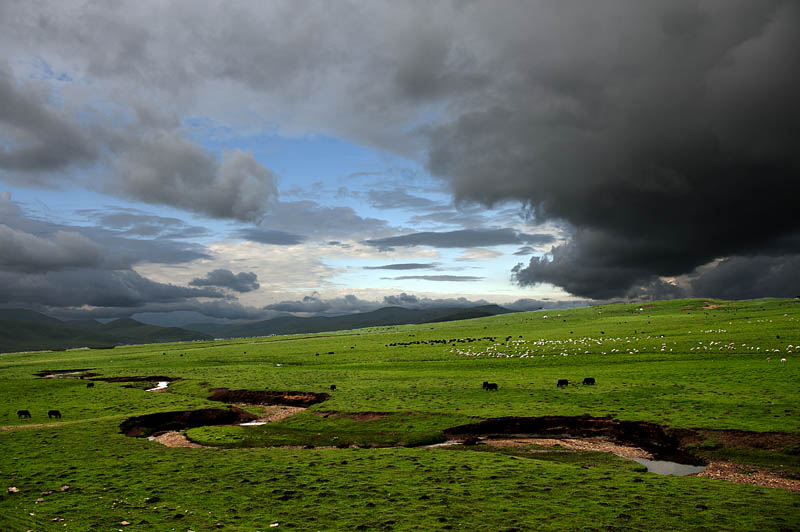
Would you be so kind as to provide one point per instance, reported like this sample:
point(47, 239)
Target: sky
point(183, 161)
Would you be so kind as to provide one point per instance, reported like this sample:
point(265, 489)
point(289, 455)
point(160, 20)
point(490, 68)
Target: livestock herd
point(562, 383)
point(26, 414)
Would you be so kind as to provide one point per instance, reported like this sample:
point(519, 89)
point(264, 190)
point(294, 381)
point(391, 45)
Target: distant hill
point(26, 330)
point(381, 317)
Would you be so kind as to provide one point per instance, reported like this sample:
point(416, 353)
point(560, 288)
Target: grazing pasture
point(709, 373)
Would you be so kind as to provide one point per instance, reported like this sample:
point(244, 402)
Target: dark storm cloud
point(677, 149)
point(405, 266)
point(436, 278)
point(467, 238)
point(239, 282)
point(749, 277)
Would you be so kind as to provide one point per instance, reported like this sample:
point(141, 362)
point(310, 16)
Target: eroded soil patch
point(649, 437)
point(769, 441)
point(174, 438)
point(174, 421)
point(572, 444)
point(355, 416)
point(255, 397)
point(747, 475)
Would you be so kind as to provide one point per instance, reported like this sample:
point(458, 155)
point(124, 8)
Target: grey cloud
point(35, 137)
point(399, 199)
point(462, 239)
point(62, 268)
point(315, 304)
point(316, 221)
point(136, 223)
point(525, 250)
point(748, 277)
point(266, 236)
point(525, 304)
point(170, 170)
point(27, 252)
point(405, 266)
point(92, 287)
point(348, 304)
point(436, 278)
point(416, 302)
point(240, 282)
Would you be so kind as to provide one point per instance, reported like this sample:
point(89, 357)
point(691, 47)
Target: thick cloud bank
point(664, 135)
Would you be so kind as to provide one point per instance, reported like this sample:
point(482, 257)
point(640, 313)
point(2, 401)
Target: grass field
point(685, 364)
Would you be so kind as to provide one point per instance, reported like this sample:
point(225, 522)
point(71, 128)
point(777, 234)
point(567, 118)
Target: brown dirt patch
point(277, 412)
point(356, 416)
point(176, 439)
point(255, 397)
point(747, 475)
point(574, 444)
point(33, 426)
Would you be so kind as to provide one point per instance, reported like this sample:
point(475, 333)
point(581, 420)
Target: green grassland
point(684, 364)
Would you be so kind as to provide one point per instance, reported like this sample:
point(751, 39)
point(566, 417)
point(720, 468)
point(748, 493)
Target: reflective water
point(161, 386)
point(663, 467)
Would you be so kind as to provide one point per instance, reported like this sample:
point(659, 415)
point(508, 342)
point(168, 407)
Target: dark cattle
point(491, 386)
point(54, 414)
point(333, 387)
point(562, 382)
point(589, 380)
point(485, 385)
point(90, 385)
point(23, 413)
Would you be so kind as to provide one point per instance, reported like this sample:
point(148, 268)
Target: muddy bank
point(75, 373)
point(137, 378)
point(768, 441)
point(255, 397)
point(647, 436)
point(175, 421)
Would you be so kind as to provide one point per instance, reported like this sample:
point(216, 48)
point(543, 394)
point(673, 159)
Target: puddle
point(664, 467)
point(253, 423)
point(162, 385)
